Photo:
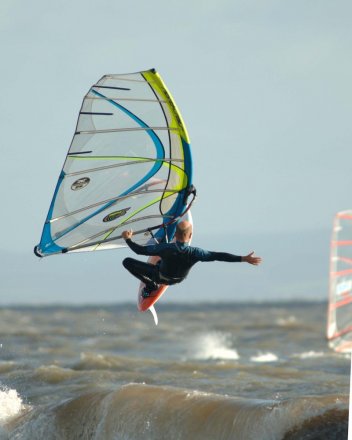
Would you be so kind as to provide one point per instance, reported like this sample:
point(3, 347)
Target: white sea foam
point(265, 357)
point(214, 345)
point(290, 320)
point(310, 355)
point(10, 405)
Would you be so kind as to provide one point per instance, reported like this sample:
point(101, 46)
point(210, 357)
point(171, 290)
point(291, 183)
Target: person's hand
point(251, 259)
point(127, 234)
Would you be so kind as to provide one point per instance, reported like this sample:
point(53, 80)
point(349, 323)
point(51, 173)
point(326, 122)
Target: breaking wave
point(215, 345)
point(137, 411)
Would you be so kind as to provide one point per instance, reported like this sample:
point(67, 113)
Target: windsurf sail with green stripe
point(129, 166)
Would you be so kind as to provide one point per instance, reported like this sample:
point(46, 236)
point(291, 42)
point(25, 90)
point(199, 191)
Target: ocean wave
point(213, 345)
point(98, 361)
point(265, 357)
point(290, 321)
point(310, 355)
point(137, 411)
point(53, 374)
point(6, 366)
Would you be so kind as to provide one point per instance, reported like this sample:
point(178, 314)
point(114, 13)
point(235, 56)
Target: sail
point(129, 166)
point(339, 326)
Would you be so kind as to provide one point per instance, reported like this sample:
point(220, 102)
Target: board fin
point(155, 316)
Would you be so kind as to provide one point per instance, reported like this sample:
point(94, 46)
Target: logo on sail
point(80, 183)
point(114, 215)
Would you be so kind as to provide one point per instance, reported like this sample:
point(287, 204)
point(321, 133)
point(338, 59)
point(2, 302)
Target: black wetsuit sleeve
point(203, 255)
point(143, 250)
point(225, 256)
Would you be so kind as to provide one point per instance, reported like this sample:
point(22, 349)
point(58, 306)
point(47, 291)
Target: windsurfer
point(176, 259)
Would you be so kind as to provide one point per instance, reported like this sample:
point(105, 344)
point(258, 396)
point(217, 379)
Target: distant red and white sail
point(339, 326)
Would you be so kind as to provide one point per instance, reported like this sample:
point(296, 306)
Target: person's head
point(184, 231)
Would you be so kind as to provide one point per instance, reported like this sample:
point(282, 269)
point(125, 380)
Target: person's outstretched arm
point(204, 255)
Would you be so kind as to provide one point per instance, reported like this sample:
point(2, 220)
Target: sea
point(212, 371)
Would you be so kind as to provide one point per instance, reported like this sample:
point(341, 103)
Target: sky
point(264, 89)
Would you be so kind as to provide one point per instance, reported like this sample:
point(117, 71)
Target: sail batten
point(119, 98)
point(116, 130)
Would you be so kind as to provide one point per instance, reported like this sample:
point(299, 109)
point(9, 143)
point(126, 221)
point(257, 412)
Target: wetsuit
point(176, 261)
